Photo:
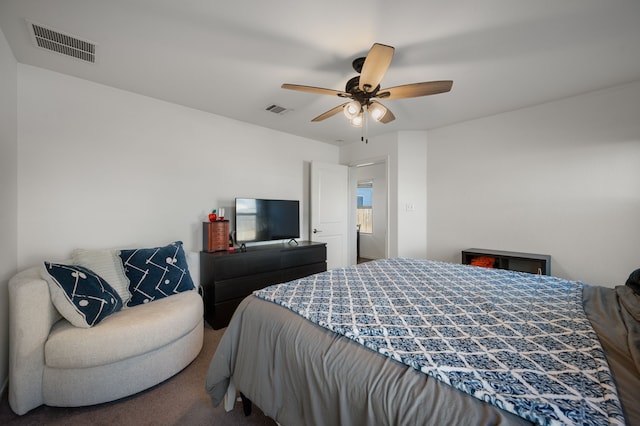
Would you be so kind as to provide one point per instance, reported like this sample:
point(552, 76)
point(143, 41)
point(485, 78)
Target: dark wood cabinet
point(227, 278)
point(215, 235)
point(514, 261)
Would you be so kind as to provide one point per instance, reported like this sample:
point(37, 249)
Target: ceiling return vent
point(56, 41)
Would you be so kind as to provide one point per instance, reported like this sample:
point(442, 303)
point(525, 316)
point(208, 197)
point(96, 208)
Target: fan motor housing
point(357, 64)
point(353, 87)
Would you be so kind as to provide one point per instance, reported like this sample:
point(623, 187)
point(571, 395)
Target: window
point(365, 207)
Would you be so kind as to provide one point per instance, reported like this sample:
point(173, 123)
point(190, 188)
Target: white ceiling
point(230, 58)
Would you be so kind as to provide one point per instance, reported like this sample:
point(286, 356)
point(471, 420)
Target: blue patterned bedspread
point(521, 342)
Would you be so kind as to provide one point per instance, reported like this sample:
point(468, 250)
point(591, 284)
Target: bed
point(412, 341)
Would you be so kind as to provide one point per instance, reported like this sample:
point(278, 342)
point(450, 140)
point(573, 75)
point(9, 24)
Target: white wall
point(412, 194)
point(101, 167)
point(561, 178)
point(8, 192)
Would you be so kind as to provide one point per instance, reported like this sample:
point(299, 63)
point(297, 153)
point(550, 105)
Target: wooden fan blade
point(330, 113)
point(375, 66)
point(316, 90)
point(415, 89)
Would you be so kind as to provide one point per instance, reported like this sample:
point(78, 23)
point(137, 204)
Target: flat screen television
point(266, 220)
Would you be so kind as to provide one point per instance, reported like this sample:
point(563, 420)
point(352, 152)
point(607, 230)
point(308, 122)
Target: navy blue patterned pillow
point(79, 294)
point(155, 273)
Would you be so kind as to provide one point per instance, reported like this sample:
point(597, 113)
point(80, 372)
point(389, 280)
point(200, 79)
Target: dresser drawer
point(242, 286)
point(304, 256)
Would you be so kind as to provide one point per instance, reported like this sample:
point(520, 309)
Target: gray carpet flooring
point(181, 400)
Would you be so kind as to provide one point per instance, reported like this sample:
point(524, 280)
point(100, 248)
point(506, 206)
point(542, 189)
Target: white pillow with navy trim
point(107, 264)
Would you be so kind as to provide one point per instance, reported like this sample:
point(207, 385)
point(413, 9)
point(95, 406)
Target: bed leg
point(246, 404)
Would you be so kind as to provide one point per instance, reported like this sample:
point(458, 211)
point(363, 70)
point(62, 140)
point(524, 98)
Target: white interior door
point(329, 210)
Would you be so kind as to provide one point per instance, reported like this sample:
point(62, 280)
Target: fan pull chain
point(364, 137)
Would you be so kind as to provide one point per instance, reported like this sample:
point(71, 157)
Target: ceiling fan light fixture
point(377, 111)
point(352, 109)
point(357, 120)
point(363, 90)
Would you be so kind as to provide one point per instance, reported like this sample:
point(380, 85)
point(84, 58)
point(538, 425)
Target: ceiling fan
point(363, 90)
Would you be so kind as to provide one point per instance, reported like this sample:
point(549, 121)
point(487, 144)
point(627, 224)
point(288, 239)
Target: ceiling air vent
point(276, 109)
point(50, 39)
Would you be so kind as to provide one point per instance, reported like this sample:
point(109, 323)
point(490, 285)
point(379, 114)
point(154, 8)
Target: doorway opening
point(369, 210)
